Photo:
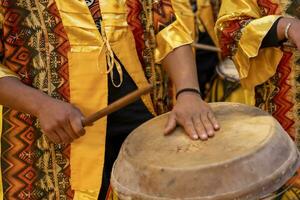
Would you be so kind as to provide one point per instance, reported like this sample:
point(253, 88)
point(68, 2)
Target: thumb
point(171, 124)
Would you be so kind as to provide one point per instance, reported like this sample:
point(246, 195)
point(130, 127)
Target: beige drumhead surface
point(249, 157)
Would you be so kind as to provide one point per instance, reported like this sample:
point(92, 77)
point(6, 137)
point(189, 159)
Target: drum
point(227, 70)
point(250, 157)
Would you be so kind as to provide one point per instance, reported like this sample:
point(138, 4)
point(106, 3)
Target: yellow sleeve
point(4, 71)
point(206, 20)
point(184, 13)
point(176, 33)
point(241, 28)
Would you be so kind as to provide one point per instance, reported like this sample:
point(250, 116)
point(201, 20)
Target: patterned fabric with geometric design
point(281, 101)
point(162, 16)
point(36, 49)
point(34, 45)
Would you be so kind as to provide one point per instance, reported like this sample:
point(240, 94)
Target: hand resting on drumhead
point(195, 115)
point(190, 111)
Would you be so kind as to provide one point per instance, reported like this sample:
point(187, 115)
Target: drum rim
point(260, 191)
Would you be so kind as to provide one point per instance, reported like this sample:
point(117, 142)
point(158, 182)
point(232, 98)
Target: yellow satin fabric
point(180, 32)
point(3, 72)
point(206, 19)
point(88, 77)
point(240, 95)
point(254, 65)
point(87, 64)
point(184, 13)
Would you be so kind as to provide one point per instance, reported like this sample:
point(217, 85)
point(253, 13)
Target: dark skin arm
point(190, 111)
point(60, 121)
point(294, 31)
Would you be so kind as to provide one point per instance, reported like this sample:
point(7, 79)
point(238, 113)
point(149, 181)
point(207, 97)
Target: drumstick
point(124, 101)
point(206, 47)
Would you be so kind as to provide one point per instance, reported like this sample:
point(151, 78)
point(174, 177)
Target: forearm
point(190, 111)
point(16, 95)
point(181, 67)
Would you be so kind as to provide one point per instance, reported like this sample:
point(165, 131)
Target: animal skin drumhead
point(251, 156)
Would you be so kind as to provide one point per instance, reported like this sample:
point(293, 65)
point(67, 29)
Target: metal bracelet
point(286, 31)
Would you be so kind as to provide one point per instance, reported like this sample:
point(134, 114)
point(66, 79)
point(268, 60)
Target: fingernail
point(204, 137)
point(195, 136)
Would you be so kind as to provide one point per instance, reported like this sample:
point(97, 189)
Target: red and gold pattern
point(33, 168)
point(231, 34)
point(163, 15)
point(35, 46)
point(268, 7)
point(134, 21)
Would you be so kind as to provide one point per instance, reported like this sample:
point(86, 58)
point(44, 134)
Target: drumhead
point(249, 157)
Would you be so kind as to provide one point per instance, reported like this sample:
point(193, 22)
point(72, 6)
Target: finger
point(200, 128)
point(76, 125)
point(65, 138)
point(53, 137)
point(68, 129)
point(171, 124)
point(207, 125)
point(190, 129)
point(213, 120)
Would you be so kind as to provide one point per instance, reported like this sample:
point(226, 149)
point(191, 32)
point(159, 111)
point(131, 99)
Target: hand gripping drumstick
point(124, 101)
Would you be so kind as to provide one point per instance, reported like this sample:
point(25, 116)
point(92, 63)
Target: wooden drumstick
point(124, 101)
point(206, 47)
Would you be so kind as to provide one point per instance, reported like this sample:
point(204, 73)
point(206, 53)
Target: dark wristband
point(193, 90)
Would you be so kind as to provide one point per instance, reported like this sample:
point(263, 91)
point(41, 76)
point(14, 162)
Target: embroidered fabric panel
point(232, 30)
point(280, 99)
point(276, 95)
point(36, 49)
point(231, 34)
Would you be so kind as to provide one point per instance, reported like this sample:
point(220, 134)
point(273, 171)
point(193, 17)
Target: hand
point(60, 121)
point(194, 115)
point(293, 32)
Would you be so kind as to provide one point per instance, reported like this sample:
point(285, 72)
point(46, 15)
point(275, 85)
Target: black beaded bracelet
point(188, 90)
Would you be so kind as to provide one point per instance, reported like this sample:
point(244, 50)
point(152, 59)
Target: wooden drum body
point(251, 156)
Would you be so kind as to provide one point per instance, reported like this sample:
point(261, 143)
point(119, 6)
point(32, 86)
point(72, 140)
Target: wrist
point(284, 28)
point(188, 91)
point(42, 102)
